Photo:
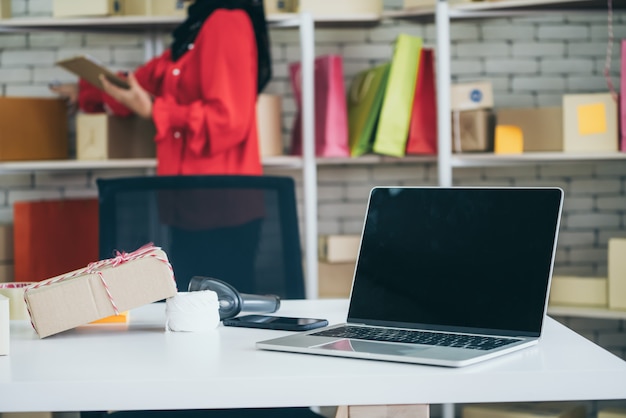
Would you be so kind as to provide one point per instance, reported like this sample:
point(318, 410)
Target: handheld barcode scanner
point(231, 301)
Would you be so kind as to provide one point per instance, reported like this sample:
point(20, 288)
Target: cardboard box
point(320, 8)
point(471, 96)
point(612, 413)
point(280, 6)
point(33, 129)
point(5, 9)
point(15, 293)
point(79, 297)
point(73, 8)
point(100, 137)
point(416, 4)
point(617, 273)
point(269, 124)
point(589, 123)
point(5, 326)
point(155, 7)
point(335, 279)
point(338, 248)
point(6, 243)
point(473, 131)
point(526, 410)
point(542, 127)
point(579, 291)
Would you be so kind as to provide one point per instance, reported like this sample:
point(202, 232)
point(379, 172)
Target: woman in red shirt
point(201, 93)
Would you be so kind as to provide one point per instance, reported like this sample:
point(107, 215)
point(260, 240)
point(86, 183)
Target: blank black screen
point(457, 258)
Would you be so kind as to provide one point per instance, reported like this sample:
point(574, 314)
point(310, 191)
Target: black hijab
point(200, 10)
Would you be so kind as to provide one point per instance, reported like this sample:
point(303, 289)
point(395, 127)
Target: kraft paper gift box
point(471, 96)
point(74, 8)
point(542, 127)
point(617, 273)
point(100, 137)
point(612, 413)
point(280, 6)
point(579, 291)
point(338, 248)
point(100, 290)
point(155, 7)
point(589, 123)
point(526, 410)
point(33, 129)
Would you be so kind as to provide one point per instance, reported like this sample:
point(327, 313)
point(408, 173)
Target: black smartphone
point(275, 322)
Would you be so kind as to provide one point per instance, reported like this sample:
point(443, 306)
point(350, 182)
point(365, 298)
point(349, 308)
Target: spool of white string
point(192, 311)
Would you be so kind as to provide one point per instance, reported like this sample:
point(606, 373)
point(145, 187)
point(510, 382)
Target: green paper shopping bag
point(365, 98)
point(395, 116)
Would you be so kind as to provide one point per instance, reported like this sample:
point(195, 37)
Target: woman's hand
point(68, 92)
point(135, 98)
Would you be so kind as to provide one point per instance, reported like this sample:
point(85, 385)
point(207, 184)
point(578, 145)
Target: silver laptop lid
point(457, 259)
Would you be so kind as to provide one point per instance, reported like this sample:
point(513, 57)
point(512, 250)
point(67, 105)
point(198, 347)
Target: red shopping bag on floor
point(331, 114)
point(423, 128)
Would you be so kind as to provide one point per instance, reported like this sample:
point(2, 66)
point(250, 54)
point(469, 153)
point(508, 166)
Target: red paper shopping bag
point(53, 237)
point(331, 114)
point(423, 128)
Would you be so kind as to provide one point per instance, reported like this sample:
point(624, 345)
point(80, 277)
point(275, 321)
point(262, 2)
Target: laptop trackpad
point(359, 346)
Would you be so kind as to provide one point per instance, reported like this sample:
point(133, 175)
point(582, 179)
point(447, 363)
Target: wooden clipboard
point(88, 68)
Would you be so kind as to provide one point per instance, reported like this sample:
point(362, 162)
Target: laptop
point(445, 276)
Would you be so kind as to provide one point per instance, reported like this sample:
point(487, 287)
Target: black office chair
point(239, 229)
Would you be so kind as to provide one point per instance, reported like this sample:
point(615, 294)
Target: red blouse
point(204, 103)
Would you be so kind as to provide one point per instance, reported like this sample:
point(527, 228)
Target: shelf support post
point(309, 167)
point(444, 129)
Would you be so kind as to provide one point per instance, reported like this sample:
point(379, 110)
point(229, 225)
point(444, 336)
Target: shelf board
point(138, 24)
point(583, 312)
point(494, 160)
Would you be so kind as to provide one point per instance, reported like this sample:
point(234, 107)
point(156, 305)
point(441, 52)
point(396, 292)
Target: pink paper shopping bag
point(423, 128)
point(331, 114)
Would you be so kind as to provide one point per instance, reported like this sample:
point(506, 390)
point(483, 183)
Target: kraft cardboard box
point(471, 96)
point(473, 131)
point(269, 124)
point(338, 248)
point(526, 410)
point(33, 129)
point(73, 8)
point(100, 137)
point(335, 279)
point(612, 413)
point(155, 7)
point(542, 127)
point(590, 123)
point(579, 291)
point(617, 273)
point(320, 8)
point(80, 297)
point(280, 6)
point(5, 9)
point(416, 4)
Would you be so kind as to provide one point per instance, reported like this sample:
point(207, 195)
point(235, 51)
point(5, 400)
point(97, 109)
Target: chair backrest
point(240, 229)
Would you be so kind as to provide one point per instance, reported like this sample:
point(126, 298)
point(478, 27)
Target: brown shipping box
point(155, 7)
point(79, 297)
point(344, 7)
point(74, 8)
point(472, 131)
point(542, 127)
point(100, 137)
point(5, 9)
point(33, 129)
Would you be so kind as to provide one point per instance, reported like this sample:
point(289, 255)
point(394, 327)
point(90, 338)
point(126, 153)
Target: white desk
point(101, 367)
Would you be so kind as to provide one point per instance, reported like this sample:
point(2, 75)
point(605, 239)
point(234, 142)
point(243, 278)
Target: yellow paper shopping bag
point(395, 116)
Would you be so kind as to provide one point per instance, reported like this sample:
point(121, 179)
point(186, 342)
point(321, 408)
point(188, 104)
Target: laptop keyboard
point(476, 342)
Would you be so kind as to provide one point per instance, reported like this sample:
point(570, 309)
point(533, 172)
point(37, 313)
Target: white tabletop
point(139, 366)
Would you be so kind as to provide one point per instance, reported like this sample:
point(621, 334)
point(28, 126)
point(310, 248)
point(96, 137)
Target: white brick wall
point(531, 61)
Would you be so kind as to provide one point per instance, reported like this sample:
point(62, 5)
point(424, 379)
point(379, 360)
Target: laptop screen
point(463, 259)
